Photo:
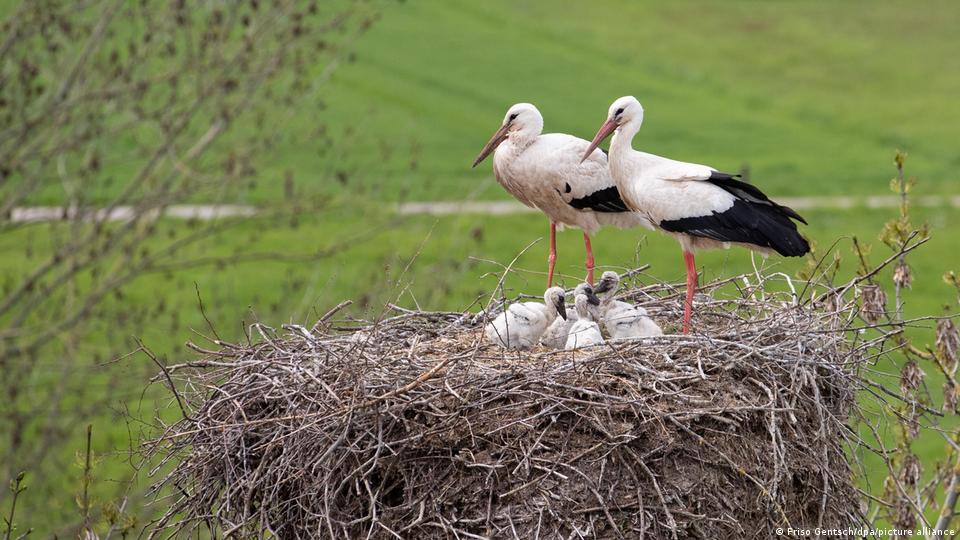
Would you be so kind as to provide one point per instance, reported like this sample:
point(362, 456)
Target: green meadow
point(813, 97)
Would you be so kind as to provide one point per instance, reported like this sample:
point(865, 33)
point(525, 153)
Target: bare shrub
point(112, 107)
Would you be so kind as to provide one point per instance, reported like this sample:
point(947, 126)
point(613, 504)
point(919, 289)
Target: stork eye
point(619, 111)
point(514, 116)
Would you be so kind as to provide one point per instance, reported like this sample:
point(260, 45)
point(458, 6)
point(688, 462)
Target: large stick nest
point(415, 427)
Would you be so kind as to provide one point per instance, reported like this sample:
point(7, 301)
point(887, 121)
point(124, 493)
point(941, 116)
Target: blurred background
point(302, 133)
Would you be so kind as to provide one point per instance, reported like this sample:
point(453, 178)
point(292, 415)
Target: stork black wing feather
point(604, 200)
point(749, 192)
point(747, 222)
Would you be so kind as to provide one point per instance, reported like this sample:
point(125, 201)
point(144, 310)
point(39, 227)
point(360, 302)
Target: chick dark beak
point(592, 298)
point(493, 143)
point(604, 286)
point(562, 308)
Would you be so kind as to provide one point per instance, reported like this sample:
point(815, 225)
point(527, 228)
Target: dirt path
point(203, 212)
point(442, 208)
point(206, 212)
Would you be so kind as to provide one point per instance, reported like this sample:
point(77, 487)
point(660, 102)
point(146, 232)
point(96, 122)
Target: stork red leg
point(552, 258)
point(589, 261)
point(691, 288)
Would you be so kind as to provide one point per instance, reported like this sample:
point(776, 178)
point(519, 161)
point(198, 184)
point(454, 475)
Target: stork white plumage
point(556, 334)
point(622, 319)
point(700, 207)
point(585, 331)
point(544, 171)
point(521, 325)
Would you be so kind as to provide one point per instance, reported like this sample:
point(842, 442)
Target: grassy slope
point(814, 96)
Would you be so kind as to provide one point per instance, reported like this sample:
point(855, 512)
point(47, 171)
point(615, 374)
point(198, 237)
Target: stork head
point(554, 298)
point(587, 291)
point(522, 120)
point(609, 282)
point(625, 113)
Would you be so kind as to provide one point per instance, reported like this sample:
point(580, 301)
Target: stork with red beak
point(545, 171)
point(700, 207)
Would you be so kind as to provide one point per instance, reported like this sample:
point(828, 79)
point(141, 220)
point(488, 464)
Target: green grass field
point(814, 97)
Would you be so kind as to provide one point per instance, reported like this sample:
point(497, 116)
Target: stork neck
point(620, 147)
point(622, 144)
point(522, 138)
point(511, 149)
point(580, 304)
point(623, 137)
point(608, 297)
point(552, 312)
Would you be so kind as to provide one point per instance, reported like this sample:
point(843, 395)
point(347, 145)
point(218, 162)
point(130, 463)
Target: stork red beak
point(493, 143)
point(606, 129)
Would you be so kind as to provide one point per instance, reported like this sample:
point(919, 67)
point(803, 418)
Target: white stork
point(584, 332)
point(545, 171)
point(622, 319)
point(700, 207)
point(555, 336)
point(521, 325)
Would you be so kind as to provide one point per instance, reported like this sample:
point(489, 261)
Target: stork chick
point(622, 319)
point(556, 335)
point(521, 325)
point(584, 332)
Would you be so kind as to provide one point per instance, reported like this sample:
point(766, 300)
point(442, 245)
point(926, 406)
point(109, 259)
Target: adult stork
point(699, 206)
point(544, 171)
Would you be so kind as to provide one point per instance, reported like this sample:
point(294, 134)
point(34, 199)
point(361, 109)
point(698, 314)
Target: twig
point(947, 511)
point(329, 314)
point(16, 488)
point(85, 497)
point(213, 330)
point(173, 388)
